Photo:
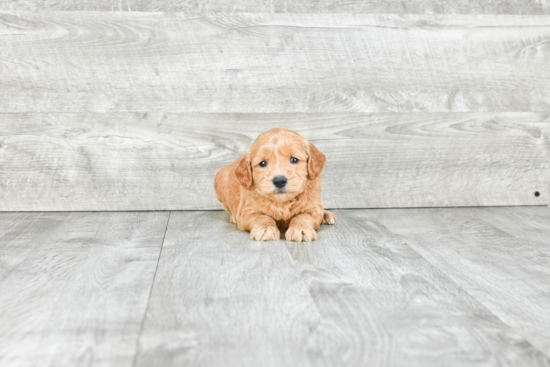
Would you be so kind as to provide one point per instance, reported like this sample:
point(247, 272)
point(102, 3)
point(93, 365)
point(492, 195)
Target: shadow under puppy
point(275, 185)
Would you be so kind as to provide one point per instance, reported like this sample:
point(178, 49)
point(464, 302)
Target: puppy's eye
point(293, 160)
point(263, 163)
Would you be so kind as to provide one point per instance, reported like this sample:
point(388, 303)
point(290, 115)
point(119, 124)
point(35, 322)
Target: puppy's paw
point(329, 218)
point(232, 219)
point(262, 232)
point(299, 234)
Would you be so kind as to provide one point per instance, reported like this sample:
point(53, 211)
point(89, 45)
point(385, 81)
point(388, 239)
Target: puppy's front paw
point(329, 218)
point(262, 232)
point(299, 234)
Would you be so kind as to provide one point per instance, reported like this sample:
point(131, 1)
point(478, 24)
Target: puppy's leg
point(303, 227)
point(261, 227)
point(231, 216)
point(329, 218)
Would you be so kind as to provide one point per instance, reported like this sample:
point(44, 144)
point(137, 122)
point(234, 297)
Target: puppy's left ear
point(316, 162)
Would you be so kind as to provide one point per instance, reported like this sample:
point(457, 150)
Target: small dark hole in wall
point(537, 194)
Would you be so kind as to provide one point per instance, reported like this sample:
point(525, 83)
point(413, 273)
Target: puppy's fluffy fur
point(248, 192)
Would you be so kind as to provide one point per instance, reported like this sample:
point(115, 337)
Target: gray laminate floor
point(385, 287)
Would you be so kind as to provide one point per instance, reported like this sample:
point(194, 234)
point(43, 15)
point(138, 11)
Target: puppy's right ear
point(244, 172)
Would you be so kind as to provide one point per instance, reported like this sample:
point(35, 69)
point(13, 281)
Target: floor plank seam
point(150, 292)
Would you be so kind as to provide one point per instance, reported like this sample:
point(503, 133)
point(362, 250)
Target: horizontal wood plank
point(358, 296)
point(494, 254)
point(184, 62)
point(74, 286)
point(156, 161)
point(289, 6)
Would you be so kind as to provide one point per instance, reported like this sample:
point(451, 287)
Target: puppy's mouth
point(280, 191)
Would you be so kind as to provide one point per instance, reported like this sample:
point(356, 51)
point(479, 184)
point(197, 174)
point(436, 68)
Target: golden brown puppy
point(275, 185)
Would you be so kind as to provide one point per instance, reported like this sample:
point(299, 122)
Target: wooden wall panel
point(138, 110)
point(155, 161)
point(178, 62)
point(292, 6)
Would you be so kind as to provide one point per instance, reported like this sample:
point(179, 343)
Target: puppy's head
point(279, 164)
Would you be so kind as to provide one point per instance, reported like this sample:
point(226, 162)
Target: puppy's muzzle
point(279, 182)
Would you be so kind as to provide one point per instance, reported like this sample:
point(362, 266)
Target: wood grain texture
point(220, 299)
point(289, 6)
point(389, 306)
point(156, 161)
point(500, 256)
point(183, 62)
point(75, 286)
point(21, 234)
point(358, 296)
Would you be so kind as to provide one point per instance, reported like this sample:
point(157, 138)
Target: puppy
point(275, 185)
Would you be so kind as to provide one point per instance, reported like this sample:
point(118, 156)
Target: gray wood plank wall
point(178, 62)
point(290, 6)
point(143, 161)
point(137, 110)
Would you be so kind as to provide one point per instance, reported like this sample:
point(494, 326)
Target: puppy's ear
point(316, 162)
point(244, 172)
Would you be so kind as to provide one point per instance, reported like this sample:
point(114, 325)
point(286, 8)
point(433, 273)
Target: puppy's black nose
point(279, 181)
